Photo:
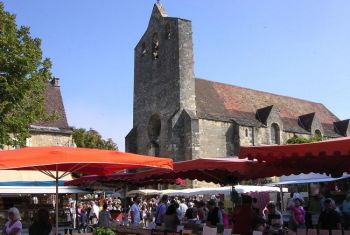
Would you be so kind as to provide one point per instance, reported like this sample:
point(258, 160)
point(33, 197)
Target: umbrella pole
point(56, 200)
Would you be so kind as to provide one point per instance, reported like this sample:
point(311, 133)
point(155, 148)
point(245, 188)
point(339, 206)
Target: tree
point(23, 77)
point(92, 139)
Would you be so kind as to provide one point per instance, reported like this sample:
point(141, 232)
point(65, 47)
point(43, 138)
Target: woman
point(298, 215)
point(104, 217)
point(225, 219)
point(13, 225)
point(171, 220)
point(42, 225)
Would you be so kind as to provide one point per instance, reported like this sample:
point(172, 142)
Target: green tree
point(302, 140)
point(23, 77)
point(92, 139)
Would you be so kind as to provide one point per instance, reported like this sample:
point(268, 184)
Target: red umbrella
point(216, 170)
point(66, 159)
point(330, 156)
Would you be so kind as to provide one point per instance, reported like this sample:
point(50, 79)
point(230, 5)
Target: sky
point(292, 47)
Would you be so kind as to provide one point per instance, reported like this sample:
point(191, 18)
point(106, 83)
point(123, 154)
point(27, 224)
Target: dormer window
point(275, 134)
point(155, 46)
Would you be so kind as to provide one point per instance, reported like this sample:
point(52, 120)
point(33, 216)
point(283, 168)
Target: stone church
point(178, 115)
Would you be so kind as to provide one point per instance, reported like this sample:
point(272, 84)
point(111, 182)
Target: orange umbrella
point(82, 160)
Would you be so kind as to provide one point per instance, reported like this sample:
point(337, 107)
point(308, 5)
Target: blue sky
point(294, 48)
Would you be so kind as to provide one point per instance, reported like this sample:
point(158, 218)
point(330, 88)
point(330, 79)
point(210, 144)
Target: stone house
point(178, 115)
point(55, 132)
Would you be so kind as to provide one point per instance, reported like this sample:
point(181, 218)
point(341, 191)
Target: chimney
point(55, 82)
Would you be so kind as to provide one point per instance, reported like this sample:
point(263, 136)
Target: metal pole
point(56, 199)
point(282, 201)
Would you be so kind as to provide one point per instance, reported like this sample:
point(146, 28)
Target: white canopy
point(39, 190)
point(308, 178)
point(222, 190)
point(208, 191)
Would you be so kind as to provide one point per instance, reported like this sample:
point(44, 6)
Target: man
point(346, 211)
point(329, 218)
point(182, 209)
point(135, 212)
point(245, 219)
point(273, 218)
point(214, 214)
point(161, 209)
point(94, 213)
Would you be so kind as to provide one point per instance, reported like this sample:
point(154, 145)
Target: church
point(183, 117)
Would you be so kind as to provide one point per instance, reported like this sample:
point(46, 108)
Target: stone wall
point(216, 138)
point(50, 139)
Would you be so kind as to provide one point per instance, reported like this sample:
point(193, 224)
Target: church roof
point(225, 102)
point(53, 105)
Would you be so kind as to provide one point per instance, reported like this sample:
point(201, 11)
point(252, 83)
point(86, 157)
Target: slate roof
point(223, 102)
point(53, 104)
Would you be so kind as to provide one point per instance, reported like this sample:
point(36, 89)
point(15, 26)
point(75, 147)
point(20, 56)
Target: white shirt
point(94, 210)
point(182, 210)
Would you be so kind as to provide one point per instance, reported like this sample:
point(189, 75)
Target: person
point(171, 219)
point(298, 215)
point(161, 210)
point(135, 212)
point(255, 206)
point(201, 212)
point(245, 219)
point(273, 218)
point(83, 220)
point(73, 212)
point(41, 225)
point(329, 218)
point(214, 214)
point(191, 215)
point(346, 211)
point(314, 209)
point(94, 213)
point(225, 218)
point(182, 209)
point(13, 226)
point(104, 217)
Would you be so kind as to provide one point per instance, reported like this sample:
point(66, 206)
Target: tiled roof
point(227, 102)
point(54, 105)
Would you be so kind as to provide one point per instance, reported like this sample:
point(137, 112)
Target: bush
point(103, 231)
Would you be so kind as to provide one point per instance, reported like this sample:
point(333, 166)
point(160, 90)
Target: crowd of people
point(167, 213)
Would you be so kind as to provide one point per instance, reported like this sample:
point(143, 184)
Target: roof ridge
point(265, 92)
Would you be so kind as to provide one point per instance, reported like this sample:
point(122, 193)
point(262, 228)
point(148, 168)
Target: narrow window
point(275, 134)
point(155, 46)
point(143, 49)
point(246, 132)
point(167, 31)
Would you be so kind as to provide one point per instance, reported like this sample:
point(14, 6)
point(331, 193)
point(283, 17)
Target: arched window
point(155, 46)
point(275, 134)
point(318, 133)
